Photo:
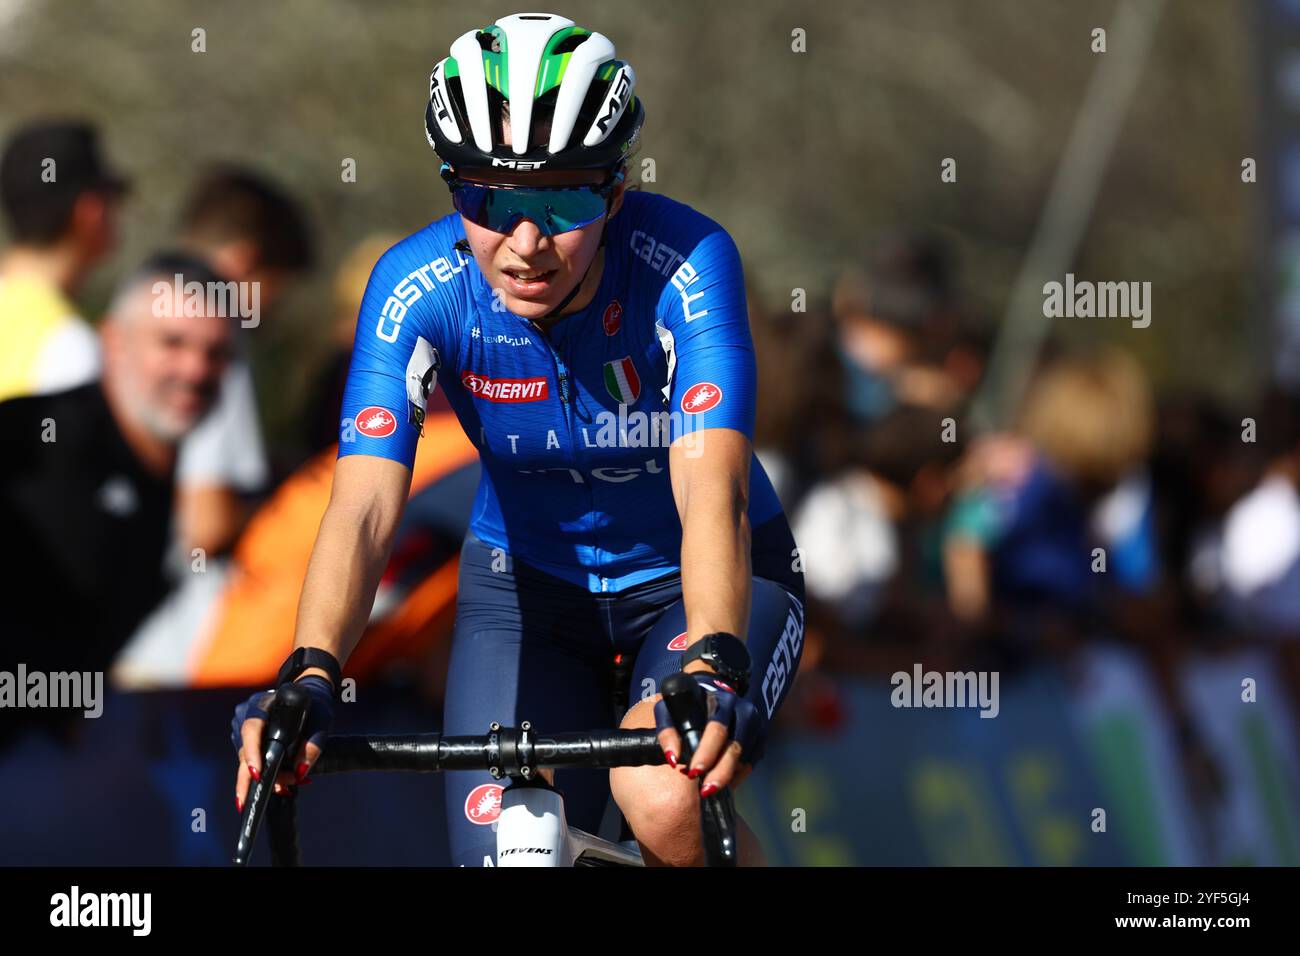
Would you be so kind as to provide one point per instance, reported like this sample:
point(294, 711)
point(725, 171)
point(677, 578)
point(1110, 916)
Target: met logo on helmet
point(521, 164)
point(620, 90)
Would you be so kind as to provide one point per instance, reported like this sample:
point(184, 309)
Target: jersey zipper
point(567, 397)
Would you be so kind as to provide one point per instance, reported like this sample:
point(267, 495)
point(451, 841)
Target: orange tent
point(253, 621)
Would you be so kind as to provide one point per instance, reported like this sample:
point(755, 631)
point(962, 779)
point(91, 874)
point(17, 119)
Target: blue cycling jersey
point(573, 426)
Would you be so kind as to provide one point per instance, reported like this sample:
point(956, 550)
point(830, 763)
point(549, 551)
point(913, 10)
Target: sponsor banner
point(879, 785)
point(1252, 742)
point(889, 786)
point(1131, 745)
point(91, 813)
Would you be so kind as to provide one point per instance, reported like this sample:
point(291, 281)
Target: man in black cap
point(60, 202)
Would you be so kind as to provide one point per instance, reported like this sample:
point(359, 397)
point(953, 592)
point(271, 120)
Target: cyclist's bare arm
point(351, 551)
point(710, 479)
point(352, 548)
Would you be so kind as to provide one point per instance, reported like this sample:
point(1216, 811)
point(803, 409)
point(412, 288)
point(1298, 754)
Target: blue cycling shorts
point(530, 646)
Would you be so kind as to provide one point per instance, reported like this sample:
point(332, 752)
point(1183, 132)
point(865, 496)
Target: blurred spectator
point(60, 202)
point(234, 624)
point(325, 398)
point(1201, 468)
point(799, 404)
point(1019, 533)
point(866, 534)
point(86, 480)
point(1259, 551)
point(894, 317)
point(249, 232)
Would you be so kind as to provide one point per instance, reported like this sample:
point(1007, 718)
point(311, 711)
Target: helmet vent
point(569, 44)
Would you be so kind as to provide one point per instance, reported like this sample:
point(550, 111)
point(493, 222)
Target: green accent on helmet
point(553, 64)
point(496, 64)
point(450, 68)
point(551, 73)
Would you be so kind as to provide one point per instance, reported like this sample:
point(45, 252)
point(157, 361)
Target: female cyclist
point(595, 345)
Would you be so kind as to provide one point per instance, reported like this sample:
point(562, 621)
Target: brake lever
point(285, 719)
point(684, 698)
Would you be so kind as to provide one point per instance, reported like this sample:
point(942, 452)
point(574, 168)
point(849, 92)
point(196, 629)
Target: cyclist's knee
point(663, 810)
point(660, 805)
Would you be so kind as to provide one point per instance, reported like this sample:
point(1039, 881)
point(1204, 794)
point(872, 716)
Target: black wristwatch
point(726, 654)
point(305, 657)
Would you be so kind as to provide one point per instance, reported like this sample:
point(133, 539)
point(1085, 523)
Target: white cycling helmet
point(569, 100)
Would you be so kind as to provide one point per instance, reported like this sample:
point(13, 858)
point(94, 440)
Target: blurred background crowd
point(1130, 519)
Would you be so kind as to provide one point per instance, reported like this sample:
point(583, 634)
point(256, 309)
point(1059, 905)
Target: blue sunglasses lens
point(553, 210)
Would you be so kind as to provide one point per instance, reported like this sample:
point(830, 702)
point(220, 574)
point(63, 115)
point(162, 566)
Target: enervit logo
point(678, 643)
point(613, 317)
point(376, 422)
point(483, 805)
point(505, 389)
point(701, 398)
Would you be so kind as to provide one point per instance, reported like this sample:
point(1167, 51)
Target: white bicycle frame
point(531, 831)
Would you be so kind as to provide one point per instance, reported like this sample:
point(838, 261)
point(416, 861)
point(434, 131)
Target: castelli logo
point(700, 398)
point(483, 805)
point(376, 422)
point(613, 317)
point(678, 643)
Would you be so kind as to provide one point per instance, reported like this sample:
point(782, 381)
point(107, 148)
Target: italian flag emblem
point(622, 382)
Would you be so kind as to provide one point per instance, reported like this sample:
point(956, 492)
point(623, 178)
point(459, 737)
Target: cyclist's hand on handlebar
point(246, 736)
point(731, 741)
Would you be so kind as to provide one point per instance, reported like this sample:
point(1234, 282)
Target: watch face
point(731, 655)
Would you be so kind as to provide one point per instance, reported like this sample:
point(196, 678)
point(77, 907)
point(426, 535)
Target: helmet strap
point(581, 282)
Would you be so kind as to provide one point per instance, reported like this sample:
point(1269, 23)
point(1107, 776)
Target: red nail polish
point(239, 805)
point(708, 790)
point(301, 771)
point(256, 774)
point(671, 758)
point(694, 772)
